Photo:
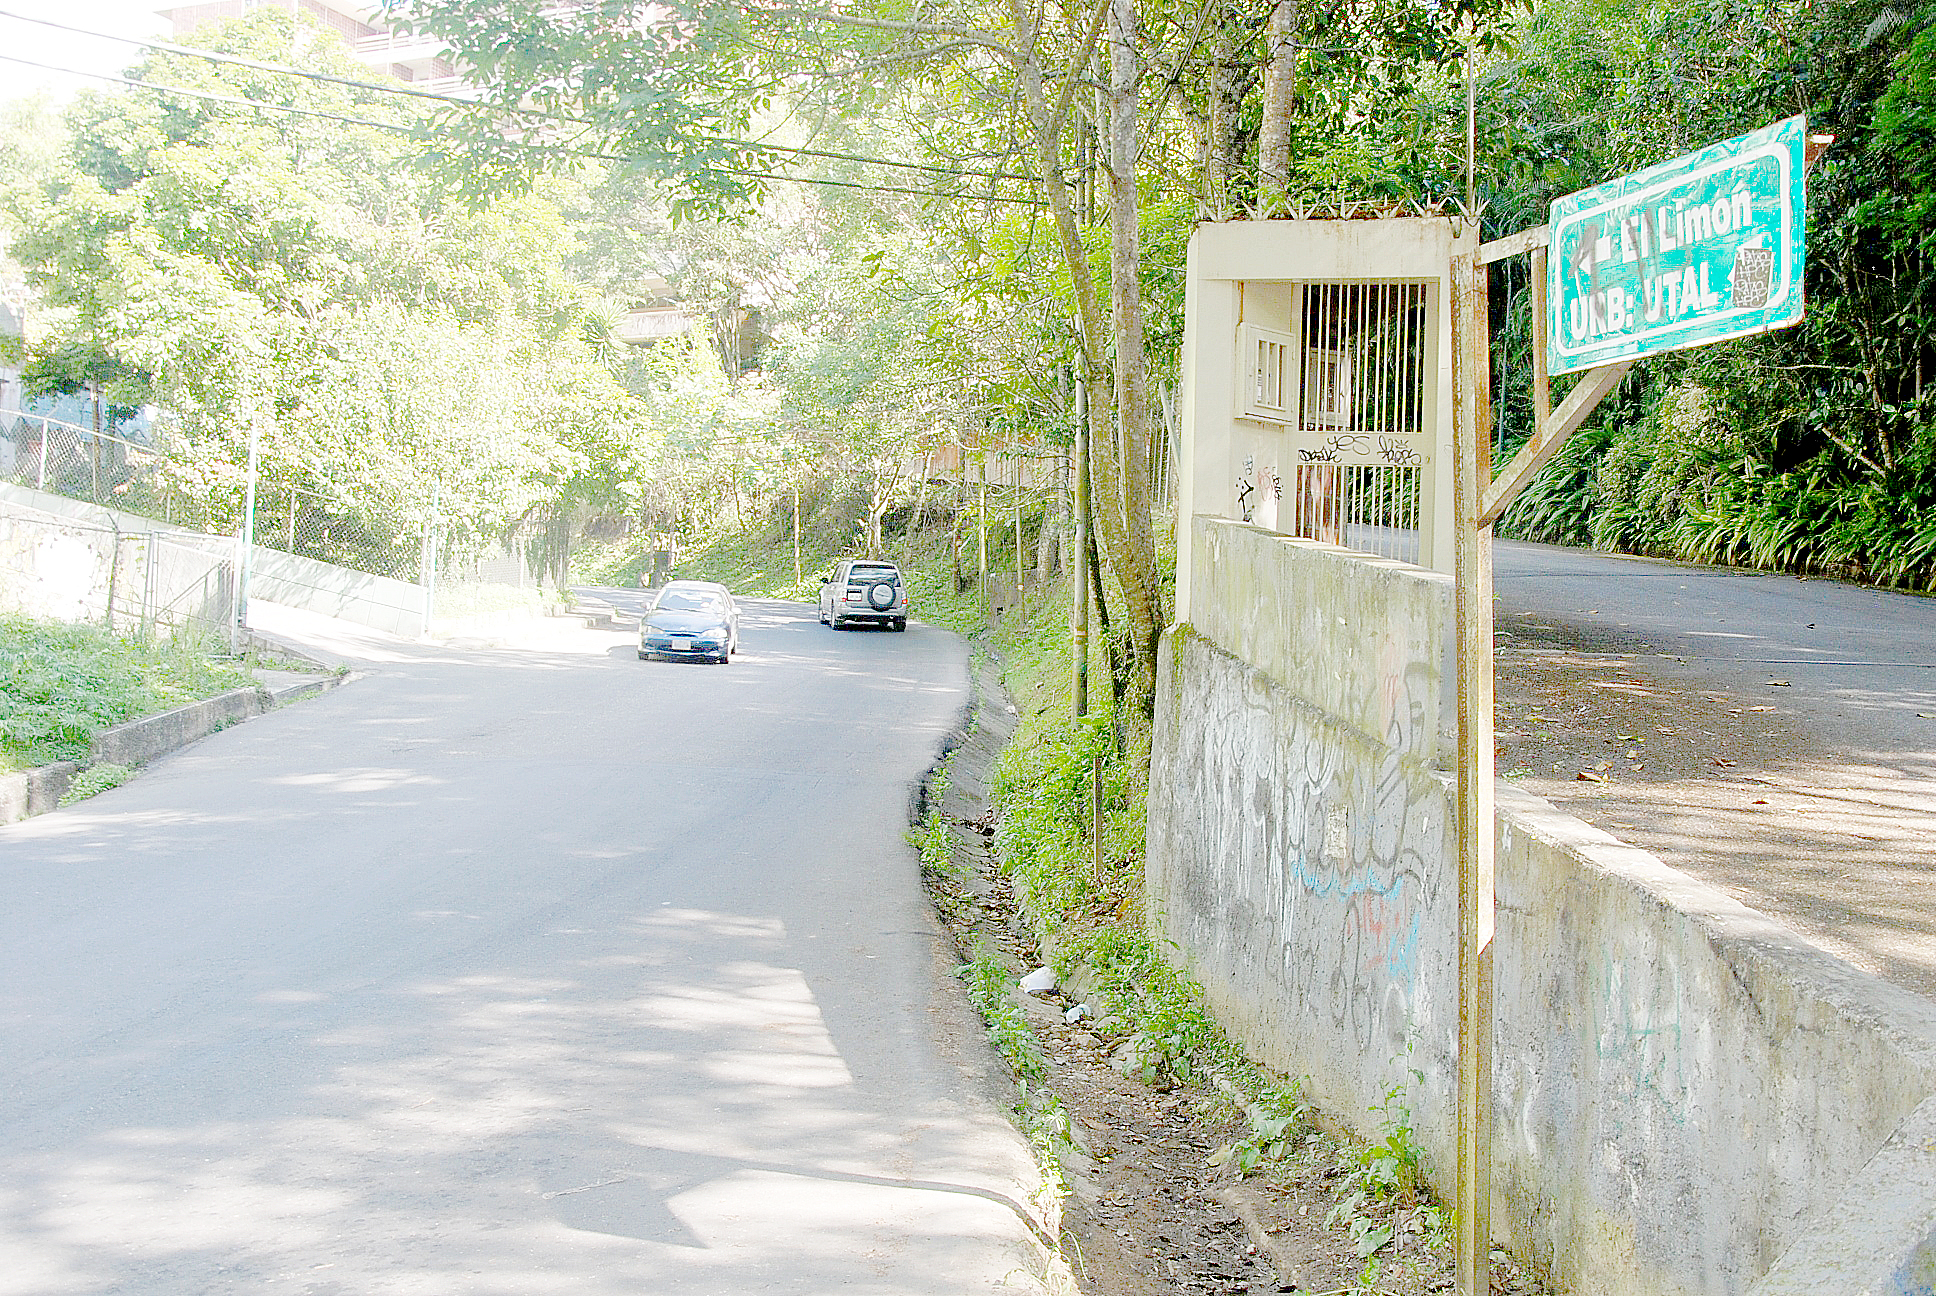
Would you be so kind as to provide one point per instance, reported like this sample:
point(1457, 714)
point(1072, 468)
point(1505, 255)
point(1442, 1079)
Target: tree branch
point(946, 31)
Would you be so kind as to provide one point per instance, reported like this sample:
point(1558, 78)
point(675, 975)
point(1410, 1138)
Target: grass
point(97, 779)
point(60, 684)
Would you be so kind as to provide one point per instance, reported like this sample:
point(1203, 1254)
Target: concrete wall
point(140, 741)
point(1684, 1092)
point(57, 566)
point(380, 602)
point(35, 791)
point(376, 601)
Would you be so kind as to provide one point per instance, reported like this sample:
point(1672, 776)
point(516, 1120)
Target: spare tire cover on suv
point(880, 596)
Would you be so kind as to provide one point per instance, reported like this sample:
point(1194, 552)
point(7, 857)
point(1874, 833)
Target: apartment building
point(421, 61)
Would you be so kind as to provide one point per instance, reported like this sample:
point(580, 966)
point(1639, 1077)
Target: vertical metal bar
point(1472, 470)
point(94, 450)
point(248, 518)
point(981, 514)
point(1382, 413)
point(427, 562)
point(1542, 392)
point(798, 571)
point(1079, 613)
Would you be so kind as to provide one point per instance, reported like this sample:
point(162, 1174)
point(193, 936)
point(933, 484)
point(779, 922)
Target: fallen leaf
point(1585, 777)
point(1723, 762)
point(1604, 765)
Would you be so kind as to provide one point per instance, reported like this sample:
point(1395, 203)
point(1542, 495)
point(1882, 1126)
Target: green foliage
point(1393, 1165)
point(1272, 1136)
point(932, 840)
point(61, 684)
point(1807, 450)
point(246, 269)
point(96, 779)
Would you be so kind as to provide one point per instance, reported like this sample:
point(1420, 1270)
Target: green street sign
point(1696, 250)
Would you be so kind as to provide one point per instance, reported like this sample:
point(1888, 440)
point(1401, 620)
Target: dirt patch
point(1152, 1207)
point(1731, 786)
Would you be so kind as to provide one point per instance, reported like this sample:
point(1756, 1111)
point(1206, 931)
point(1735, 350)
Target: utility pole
point(981, 526)
point(1018, 527)
point(427, 561)
point(1473, 806)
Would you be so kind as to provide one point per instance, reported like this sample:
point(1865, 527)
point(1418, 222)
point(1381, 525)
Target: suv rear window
point(872, 575)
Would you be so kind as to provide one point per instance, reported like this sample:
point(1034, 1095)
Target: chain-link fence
point(401, 539)
point(152, 583)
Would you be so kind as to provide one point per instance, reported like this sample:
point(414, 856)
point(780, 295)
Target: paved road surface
point(1787, 734)
point(1861, 663)
point(519, 971)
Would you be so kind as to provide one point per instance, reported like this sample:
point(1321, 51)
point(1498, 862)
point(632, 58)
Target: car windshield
point(868, 575)
point(689, 601)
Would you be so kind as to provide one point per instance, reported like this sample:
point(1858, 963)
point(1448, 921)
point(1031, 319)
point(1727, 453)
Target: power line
point(421, 135)
point(398, 88)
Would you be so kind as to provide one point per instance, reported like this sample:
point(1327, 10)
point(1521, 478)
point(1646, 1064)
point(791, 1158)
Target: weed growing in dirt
point(95, 780)
point(1043, 1119)
point(60, 684)
point(931, 839)
point(1393, 1166)
point(1272, 1137)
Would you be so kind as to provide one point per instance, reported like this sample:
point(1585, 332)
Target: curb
point(36, 791)
point(985, 693)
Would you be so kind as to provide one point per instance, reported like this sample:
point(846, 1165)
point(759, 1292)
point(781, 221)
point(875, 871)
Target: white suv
point(864, 589)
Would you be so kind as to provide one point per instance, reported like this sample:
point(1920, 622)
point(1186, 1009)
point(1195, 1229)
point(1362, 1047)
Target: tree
point(218, 260)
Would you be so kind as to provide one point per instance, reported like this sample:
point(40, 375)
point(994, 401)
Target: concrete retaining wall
point(376, 601)
point(380, 602)
point(1684, 1092)
point(71, 569)
point(35, 791)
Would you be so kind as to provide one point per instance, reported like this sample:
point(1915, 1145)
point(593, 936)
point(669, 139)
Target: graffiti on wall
point(1257, 494)
point(1299, 856)
point(1399, 452)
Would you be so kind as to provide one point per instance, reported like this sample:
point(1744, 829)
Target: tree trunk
point(1220, 123)
point(1280, 92)
point(1134, 551)
point(1131, 558)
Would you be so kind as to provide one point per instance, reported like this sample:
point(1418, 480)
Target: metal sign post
point(1473, 808)
point(1697, 250)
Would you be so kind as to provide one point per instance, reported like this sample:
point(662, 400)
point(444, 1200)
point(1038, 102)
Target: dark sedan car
point(691, 619)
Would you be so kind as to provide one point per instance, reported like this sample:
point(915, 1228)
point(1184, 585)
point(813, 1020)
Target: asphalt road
point(519, 969)
point(1859, 663)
